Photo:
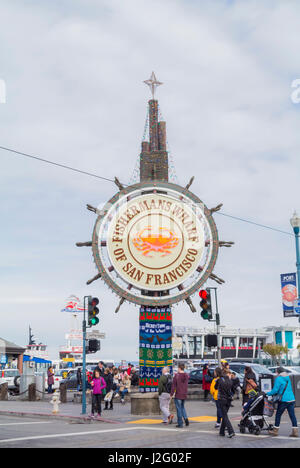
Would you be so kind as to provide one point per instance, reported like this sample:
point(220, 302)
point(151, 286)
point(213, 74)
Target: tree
point(275, 351)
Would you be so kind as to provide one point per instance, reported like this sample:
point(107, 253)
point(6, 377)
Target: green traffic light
point(94, 321)
point(205, 315)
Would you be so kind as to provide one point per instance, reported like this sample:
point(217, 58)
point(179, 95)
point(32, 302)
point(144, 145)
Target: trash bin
point(296, 388)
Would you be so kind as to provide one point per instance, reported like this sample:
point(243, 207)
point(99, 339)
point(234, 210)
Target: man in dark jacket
point(109, 380)
point(180, 391)
point(224, 387)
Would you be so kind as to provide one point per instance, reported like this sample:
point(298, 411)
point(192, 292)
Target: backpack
point(168, 384)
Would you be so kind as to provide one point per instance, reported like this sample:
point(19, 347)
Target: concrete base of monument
point(147, 404)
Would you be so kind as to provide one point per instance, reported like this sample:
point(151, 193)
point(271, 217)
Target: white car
point(294, 370)
point(10, 376)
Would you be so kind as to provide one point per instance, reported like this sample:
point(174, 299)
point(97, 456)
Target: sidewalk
point(119, 415)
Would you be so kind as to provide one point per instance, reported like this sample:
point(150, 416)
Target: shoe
point(165, 422)
point(274, 432)
point(99, 417)
point(295, 432)
point(231, 435)
point(92, 416)
point(187, 422)
point(170, 418)
point(105, 408)
point(217, 426)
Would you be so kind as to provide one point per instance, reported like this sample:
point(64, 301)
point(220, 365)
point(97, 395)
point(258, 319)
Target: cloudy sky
point(74, 72)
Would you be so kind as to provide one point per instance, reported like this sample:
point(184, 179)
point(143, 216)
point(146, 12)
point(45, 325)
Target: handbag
point(277, 398)
point(108, 396)
point(251, 385)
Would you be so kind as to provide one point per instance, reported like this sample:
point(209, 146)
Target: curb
point(61, 417)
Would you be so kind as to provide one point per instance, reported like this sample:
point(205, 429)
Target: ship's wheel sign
point(155, 244)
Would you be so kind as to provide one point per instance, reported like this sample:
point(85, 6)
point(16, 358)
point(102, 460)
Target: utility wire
point(111, 180)
point(55, 163)
point(255, 224)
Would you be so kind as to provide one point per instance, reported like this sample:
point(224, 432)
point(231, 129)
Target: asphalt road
point(21, 432)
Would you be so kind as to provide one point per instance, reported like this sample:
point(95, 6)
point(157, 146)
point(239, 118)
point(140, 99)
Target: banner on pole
point(73, 305)
point(289, 294)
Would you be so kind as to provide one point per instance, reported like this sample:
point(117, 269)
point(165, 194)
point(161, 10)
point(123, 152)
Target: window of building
point(198, 345)
point(191, 345)
point(246, 342)
point(229, 342)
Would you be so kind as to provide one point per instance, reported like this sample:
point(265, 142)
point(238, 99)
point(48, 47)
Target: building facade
point(242, 344)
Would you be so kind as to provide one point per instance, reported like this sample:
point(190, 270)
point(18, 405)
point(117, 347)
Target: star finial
point(153, 83)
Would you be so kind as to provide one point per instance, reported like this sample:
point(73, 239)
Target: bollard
point(4, 392)
point(32, 392)
point(63, 393)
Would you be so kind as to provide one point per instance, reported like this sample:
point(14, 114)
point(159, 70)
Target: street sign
point(95, 335)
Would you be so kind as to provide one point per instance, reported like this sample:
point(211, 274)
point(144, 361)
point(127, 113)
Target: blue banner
point(289, 293)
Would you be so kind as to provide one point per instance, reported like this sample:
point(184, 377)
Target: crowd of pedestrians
point(223, 385)
point(106, 383)
point(219, 386)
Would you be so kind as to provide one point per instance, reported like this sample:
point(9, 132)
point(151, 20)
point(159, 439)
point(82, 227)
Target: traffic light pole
point(217, 320)
point(84, 357)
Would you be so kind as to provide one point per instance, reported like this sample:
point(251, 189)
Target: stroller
point(255, 414)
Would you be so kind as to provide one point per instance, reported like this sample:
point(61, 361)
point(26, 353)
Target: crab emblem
point(164, 241)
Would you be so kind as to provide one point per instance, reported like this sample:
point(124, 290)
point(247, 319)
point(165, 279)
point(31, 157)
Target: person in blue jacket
point(283, 388)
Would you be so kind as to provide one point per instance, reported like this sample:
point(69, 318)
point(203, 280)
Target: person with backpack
point(180, 391)
point(283, 394)
point(164, 392)
point(98, 385)
point(214, 392)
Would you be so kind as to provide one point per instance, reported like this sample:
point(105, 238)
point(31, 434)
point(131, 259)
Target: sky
point(73, 72)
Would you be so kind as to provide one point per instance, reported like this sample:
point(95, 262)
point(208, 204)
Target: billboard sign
point(289, 294)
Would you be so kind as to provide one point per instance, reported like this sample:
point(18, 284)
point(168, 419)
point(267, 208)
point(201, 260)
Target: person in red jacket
point(206, 381)
point(180, 390)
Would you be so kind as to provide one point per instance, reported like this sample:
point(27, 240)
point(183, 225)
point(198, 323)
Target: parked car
point(12, 377)
point(261, 372)
point(294, 370)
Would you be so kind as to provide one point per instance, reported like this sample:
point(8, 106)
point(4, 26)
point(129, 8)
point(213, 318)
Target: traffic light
point(93, 346)
point(205, 304)
point(93, 311)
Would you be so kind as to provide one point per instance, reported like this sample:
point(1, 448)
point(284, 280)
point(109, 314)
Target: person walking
point(250, 383)
point(98, 385)
point(109, 380)
point(180, 390)
point(79, 379)
point(224, 387)
point(50, 376)
point(214, 392)
point(206, 381)
point(284, 394)
point(164, 392)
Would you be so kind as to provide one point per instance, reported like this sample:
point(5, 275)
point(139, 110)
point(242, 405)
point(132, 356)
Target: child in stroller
point(255, 413)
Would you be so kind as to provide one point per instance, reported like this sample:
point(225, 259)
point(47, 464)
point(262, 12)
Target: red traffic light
point(95, 301)
point(203, 294)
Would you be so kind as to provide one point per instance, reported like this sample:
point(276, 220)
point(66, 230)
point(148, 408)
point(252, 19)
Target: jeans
point(164, 403)
point(219, 412)
point(50, 388)
point(123, 393)
point(224, 406)
point(181, 413)
point(290, 407)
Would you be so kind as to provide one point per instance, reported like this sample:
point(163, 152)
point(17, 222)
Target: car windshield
point(260, 369)
point(296, 369)
point(11, 373)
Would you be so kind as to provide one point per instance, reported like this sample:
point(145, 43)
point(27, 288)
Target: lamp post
point(295, 222)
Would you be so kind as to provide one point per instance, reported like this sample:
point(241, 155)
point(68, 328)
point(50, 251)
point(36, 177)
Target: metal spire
point(153, 83)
